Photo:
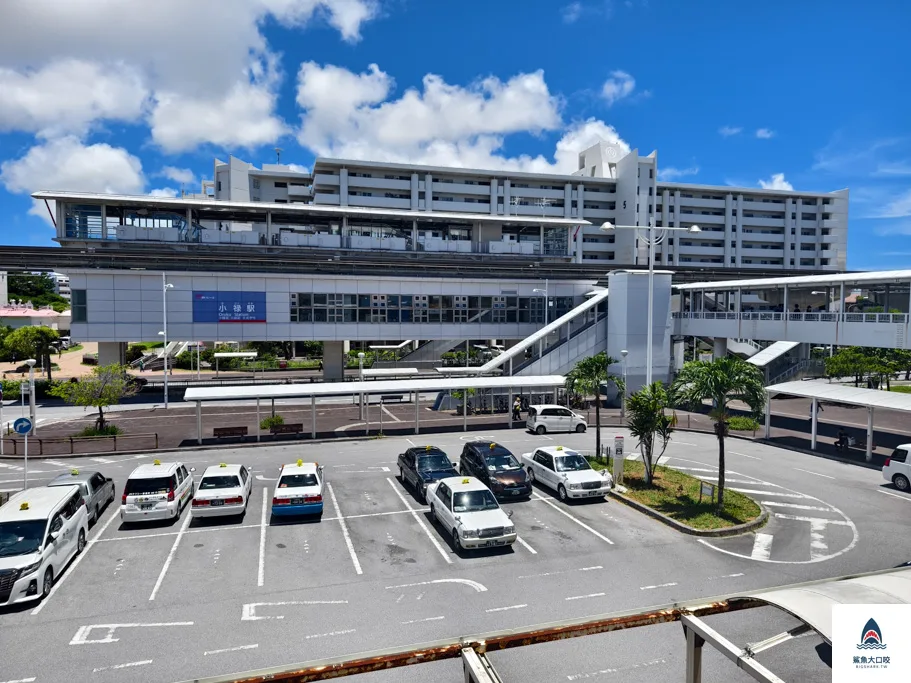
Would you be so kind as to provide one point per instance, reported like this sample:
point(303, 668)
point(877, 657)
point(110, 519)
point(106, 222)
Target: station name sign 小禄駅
point(229, 307)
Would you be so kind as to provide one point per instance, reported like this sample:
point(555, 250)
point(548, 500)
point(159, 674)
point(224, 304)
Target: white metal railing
point(887, 318)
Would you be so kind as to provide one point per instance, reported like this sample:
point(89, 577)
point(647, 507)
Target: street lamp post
point(31, 393)
point(165, 286)
point(652, 240)
point(546, 316)
point(623, 355)
point(360, 377)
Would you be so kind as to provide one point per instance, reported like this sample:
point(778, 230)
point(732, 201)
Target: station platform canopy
point(839, 393)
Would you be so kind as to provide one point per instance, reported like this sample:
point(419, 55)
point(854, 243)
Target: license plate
point(146, 506)
point(297, 501)
point(488, 544)
point(216, 503)
point(594, 493)
point(514, 493)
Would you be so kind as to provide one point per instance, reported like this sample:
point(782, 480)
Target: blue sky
point(112, 95)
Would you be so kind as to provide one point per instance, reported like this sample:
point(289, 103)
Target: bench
point(287, 429)
point(392, 397)
point(223, 432)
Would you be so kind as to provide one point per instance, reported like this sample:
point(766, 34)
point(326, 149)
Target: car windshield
point(21, 538)
point(572, 463)
point(502, 463)
point(221, 481)
point(434, 462)
point(147, 486)
point(474, 501)
point(293, 481)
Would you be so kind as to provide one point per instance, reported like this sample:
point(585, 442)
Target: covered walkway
point(837, 393)
point(367, 388)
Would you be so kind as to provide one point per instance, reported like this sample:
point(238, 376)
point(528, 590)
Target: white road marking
point(74, 564)
point(769, 493)
point(170, 557)
point(260, 477)
point(411, 442)
point(261, 572)
point(503, 609)
point(762, 546)
point(588, 569)
point(816, 473)
point(754, 457)
point(566, 571)
point(21, 680)
point(602, 672)
point(248, 611)
point(420, 621)
point(331, 633)
point(818, 546)
point(57, 463)
point(713, 470)
point(812, 520)
point(582, 597)
point(230, 649)
point(526, 546)
point(727, 481)
point(795, 506)
point(341, 521)
point(479, 587)
point(386, 410)
point(122, 666)
point(895, 495)
point(201, 530)
point(577, 521)
point(660, 585)
point(103, 461)
point(417, 518)
point(82, 634)
point(726, 576)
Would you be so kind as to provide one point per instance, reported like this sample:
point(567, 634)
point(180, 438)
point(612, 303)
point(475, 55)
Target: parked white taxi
point(299, 490)
point(469, 513)
point(223, 490)
point(567, 472)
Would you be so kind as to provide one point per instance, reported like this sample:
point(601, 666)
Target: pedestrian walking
point(819, 409)
point(517, 409)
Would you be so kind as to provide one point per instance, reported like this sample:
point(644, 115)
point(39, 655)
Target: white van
point(898, 468)
point(41, 531)
point(157, 491)
point(552, 418)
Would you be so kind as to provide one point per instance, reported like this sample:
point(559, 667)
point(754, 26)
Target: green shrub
point(42, 388)
point(107, 430)
point(741, 423)
point(271, 421)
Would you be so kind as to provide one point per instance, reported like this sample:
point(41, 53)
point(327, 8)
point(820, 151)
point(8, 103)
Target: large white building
point(740, 227)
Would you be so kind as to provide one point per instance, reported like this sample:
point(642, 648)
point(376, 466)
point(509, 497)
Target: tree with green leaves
point(721, 381)
point(106, 386)
point(33, 342)
point(586, 378)
point(648, 422)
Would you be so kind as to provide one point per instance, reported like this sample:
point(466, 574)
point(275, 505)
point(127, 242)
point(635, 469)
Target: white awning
point(838, 393)
point(834, 280)
point(252, 392)
point(771, 352)
point(390, 372)
point(236, 354)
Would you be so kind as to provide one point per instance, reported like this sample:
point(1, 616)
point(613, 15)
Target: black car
point(422, 465)
point(497, 467)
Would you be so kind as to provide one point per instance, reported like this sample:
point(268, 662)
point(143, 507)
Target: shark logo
point(872, 637)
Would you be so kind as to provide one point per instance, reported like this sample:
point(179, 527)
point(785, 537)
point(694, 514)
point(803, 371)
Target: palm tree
point(648, 423)
point(722, 380)
point(586, 378)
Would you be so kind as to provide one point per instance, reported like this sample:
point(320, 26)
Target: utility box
point(619, 457)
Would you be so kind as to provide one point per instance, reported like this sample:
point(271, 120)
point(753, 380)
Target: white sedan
point(567, 472)
point(469, 513)
point(223, 490)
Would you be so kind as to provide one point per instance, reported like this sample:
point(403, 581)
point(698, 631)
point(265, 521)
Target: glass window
point(363, 301)
point(79, 306)
point(571, 463)
point(21, 538)
point(290, 481)
point(219, 482)
point(320, 315)
point(406, 301)
point(474, 501)
point(319, 299)
point(151, 485)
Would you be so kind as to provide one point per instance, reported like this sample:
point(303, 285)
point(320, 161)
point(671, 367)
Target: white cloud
point(67, 164)
point(351, 115)
point(728, 131)
point(618, 86)
point(765, 134)
point(163, 192)
point(571, 12)
point(184, 176)
point(297, 168)
point(897, 207)
point(671, 173)
point(67, 96)
point(776, 182)
point(896, 168)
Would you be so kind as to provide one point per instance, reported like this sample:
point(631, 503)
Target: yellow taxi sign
point(222, 464)
point(23, 507)
point(492, 445)
point(157, 462)
point(74, 473)
point(465, 481)
point(559, 448)
point(300, 463)
point(427, 448)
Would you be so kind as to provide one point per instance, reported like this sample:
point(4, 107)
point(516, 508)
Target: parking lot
point(204, 597)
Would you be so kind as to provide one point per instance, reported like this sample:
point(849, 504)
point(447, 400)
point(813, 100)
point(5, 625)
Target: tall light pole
point(652, 239)
point(31, 393)
point(546, 299)
point(623, 354)
point(360, 377)
point(165, 286)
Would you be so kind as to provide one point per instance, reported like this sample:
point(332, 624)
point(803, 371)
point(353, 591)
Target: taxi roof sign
point(157, 462)
point(23, 507)
point(74, 472)
point(300, 463)
point(466, 481)
point(222, 464)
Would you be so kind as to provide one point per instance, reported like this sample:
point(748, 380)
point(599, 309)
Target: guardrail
point(893, 318)
point(71, 444)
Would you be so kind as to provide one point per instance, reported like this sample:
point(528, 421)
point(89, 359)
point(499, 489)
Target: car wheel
point(901, 482)
point(531, 476)
point(456, 541)
point(423, 493)
point(402, 476)
point(580, 428)
point(97, 513)
point(540, 429)
point(433, 515)
point(561, 492)
point(48, 582)
point(80, 543)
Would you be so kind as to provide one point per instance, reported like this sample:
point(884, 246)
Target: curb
point(686, 529)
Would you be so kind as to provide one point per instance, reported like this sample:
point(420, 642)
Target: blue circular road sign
point(22, 426)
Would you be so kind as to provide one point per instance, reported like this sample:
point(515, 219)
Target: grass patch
point(148, 345)
point(109, 430)
point(901, 388)
point(742, 423)
point(677, 495)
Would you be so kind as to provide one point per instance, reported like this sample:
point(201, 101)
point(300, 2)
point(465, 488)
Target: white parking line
point(818, 546)
point(660, 585)
point(762, 546)
point(538, 496)
point(22, 680)
point(331, 633)
point(261, 572)
point(895, 495)
point(816, 473)
point(417, 518)
point(230, 649)
point(746, 456)
point(170, 557)
point(479, 587)
point(582, 597)
point(503, 609)
point(526, 546)
point(812, 520)
point(341, 521)
point(769, 493)
point(795, 506)
point(121, 666)
point(104, 461)
point(386, 410)
point(75, 563)
point(57, 463)
point(421, 621)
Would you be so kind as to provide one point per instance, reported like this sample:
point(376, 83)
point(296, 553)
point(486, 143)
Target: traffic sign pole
point(25, 484)
point(2, 423)
point(24, 426)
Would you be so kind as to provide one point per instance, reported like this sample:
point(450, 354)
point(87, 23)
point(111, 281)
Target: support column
point(312, 416)
point(814, 406)
point(464, 410)
point(257, 419)
point(199, 422)
point(268, 226)
point(333, 361)
point(694, 643)
point(869, 456)
point(112, 352)
point(541, 240)
point(417, 412)
point(721, 347)
point(768, 416)
point(104, 222)
point(509, 407)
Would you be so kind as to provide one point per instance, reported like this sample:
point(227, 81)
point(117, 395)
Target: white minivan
point(898, 468)
point(552, 418)
point(41, 531)
point(155, 492)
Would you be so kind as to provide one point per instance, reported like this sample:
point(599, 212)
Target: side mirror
point(192, 469)
point(454, 464)
point(108, 480)
point(509, 513)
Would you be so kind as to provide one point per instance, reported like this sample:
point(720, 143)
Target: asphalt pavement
point(188, 599)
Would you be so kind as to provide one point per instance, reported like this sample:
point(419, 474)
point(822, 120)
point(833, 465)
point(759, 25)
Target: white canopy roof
point(373, 387)
point(838, 393)
point(833, 280)
point(771, 352)
point(236, 354)
point(390, 372)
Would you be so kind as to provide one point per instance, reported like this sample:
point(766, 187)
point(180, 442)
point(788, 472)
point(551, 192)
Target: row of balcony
point(823, 317)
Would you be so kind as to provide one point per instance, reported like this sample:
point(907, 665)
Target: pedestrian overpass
point(847, 309)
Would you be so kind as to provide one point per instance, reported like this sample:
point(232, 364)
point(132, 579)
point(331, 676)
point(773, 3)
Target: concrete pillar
point(343, 187)
point(768, 416)
point(415, 192)
point(333, 361)
point(507, 197)
point(721, 347)
point(428, 192)
point(111, 352)
point(494, 186)
point(814, 426)
point(869, 454)
point(567, 200)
